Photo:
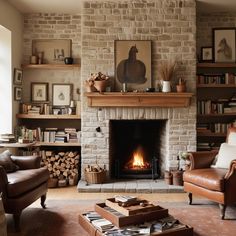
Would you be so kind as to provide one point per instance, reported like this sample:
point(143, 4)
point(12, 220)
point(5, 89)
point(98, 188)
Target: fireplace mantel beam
point(138, 99)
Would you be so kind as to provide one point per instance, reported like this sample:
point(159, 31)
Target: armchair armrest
point(232, 170)
point(200, 160)
point(27, 162)
point(3, 180)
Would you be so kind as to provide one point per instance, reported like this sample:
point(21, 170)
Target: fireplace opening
point(135, 147)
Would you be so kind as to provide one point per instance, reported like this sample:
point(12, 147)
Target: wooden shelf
point(207, 134)
point(34, 116)
point(217, 115)
point(216, 65)
point(38, 144)
point(216, 85)
point(132, 99)
point(50, 66)
point(17, 145)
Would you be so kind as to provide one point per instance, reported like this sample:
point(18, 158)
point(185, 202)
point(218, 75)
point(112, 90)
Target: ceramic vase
point(180, 88)
point(166, 86)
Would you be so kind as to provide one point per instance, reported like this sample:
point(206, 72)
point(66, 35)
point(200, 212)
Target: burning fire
point(137, 161)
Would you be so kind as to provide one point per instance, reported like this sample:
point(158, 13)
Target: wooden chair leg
point(16, 218)
point(222, 211)
point(190, 197)
point(43, 199)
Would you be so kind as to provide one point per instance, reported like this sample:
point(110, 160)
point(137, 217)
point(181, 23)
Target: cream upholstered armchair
point(215, 181)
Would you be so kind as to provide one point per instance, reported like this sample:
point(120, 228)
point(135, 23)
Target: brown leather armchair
point(23, 186)
point(216, 184)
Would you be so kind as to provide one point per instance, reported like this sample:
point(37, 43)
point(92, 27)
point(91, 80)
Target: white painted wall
point(12, 19)
point(5, 81)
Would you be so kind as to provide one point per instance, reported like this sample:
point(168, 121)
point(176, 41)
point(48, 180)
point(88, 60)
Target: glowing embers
point(137, 161)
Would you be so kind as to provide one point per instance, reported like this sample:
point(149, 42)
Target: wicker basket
point(95, 177)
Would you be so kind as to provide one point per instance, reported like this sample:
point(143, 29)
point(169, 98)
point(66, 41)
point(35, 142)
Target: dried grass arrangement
point(167, 70)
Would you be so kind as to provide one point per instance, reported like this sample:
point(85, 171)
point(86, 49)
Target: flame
point(138, 160)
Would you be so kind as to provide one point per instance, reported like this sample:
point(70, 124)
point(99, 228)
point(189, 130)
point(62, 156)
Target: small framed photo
point(17, 93)
point(224, 44)
point(206, 54)
point(61, 94)
point(18, 76)
point(39, 92)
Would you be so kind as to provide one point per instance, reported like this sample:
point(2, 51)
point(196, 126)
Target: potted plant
point(97, 82)
point(166, 70)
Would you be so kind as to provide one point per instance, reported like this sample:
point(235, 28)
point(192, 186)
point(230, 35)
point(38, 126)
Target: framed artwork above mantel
point(133, 64)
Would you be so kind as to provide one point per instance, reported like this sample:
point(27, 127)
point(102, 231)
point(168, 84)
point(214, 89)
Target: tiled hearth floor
point(130, 186)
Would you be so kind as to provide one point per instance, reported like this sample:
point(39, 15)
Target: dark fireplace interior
point(135, 148)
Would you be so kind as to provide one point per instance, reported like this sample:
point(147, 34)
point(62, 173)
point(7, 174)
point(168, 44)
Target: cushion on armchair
point(227, 153)
point(231, 136)
point(7, 163)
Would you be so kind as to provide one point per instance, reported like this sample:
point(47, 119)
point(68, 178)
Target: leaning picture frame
point(224, 44)
point(39, 92)
point(206, 54)
point(132, 65)
point(52, 51)
point(17, 93)
point(18, 76)
point(61, 94)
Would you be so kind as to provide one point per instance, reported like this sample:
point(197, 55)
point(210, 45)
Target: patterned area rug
point(61, 218)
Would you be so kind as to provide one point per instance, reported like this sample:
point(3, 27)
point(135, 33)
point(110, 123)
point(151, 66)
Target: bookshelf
point(216, 95)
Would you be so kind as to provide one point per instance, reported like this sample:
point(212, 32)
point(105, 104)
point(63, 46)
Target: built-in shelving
point(216, 85)
point(50, 66)
point(216, 65)
point(57, 144)
point(33, 116)
point(138, 99)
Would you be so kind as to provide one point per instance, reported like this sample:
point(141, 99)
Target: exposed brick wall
point(171, 26)
point(205, 24)
point(51, 26)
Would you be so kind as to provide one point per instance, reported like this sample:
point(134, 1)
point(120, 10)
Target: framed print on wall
point(18, 76)
point(17, 93)
point(61, 94)
point(206, 54)
point(39, 92)
point(224, 44)
point(132, 64)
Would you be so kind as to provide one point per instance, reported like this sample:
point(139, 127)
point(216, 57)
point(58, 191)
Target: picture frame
point(51, 51)
point(18, 76)
point(17, 93)
point(224, 44)
point(61, 94)
point(206, 54)
point(39, 92)
point(132, 64)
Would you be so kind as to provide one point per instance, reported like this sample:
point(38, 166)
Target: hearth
point(135, 148)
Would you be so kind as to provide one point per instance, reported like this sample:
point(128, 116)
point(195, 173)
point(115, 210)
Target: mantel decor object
point(96, 82)
point(166, 71)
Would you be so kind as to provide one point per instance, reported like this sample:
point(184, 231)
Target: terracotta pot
point(181, 88)
point(100, 85)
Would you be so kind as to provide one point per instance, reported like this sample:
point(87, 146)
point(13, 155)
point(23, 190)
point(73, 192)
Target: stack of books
point(72, 135)
point(7, 138)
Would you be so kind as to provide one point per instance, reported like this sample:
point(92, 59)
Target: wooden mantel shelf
point(132, 99)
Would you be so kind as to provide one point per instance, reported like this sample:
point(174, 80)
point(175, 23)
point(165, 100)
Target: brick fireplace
point(171, 26)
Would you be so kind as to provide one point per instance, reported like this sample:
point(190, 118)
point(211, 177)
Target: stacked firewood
point(62, 166)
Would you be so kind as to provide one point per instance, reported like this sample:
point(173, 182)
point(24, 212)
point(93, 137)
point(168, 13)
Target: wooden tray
point(120, 220)
point(133, 209)
point(92, 231)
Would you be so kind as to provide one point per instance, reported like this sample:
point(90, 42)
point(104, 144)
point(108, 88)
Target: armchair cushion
point(21, 181)
point(227, 153)
point(7, 163)
point(209, 178)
